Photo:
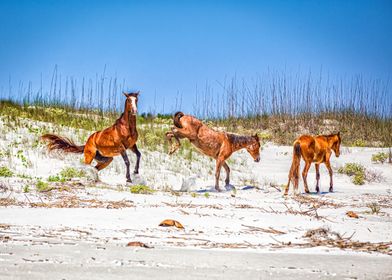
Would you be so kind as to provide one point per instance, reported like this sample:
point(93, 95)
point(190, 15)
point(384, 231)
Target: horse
point(317, 149)
point(105, 144)
point(218, 145)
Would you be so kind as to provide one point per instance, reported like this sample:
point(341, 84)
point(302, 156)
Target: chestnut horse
point(105, 144)
point(218, 145)
point(316, 149)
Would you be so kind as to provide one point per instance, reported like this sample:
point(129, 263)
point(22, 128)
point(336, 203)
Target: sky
point(167, 48)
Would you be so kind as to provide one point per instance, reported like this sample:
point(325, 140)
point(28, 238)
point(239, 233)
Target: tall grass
point(279, 104)
point(287, 106)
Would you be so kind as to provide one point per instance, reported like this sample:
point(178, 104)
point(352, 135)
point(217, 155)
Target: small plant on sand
point(56, 178)
point(380, 157)
point(42, 186)
point(70, 172)
point(359, 143)
point(206, 195)
point(354, 170)
point(143, 189)
point(374, 208)
point(5, 172)
point(26, 189)
point(193, 194)
point(26, 163)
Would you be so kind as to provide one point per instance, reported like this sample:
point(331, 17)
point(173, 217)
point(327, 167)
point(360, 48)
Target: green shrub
point(26, 189)
point(206, 195)
point(5, 172)
point(70, 173)
point(351, 169)
point(359, 143)
point(374, 208)
point(42, 186)
point(143, 189)
point(56, 178)
point(358, 179)
point(380, 157)
point(357, 171)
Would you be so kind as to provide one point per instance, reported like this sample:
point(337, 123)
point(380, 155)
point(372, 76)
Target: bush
point(359, 143)
point(356, 170)
point(70, 173)
point(358, 179)
point(42, 186)
point(5, 172)
point(56, 178)
point(26, 189)
point(374, 208)
point(380, 157)
point(143, 189)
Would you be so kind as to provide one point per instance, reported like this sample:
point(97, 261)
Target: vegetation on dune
point(141, 189)
point(354, 170)
point(380, 157)
point(5, 172)
point(277, 105)
point(359, 174)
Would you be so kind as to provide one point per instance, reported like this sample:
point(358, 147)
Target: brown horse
point(218, 145)
point(316, 149)
point(105, 144)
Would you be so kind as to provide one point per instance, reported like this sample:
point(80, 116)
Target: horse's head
point(335, 141)
point(254, 148)
point(131, 102)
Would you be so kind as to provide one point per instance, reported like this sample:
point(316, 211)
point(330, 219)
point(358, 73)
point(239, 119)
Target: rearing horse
point(316, 149)
point(105, 144)
point(218, 145)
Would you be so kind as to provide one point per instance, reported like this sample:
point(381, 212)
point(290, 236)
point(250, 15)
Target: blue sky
point(168, 47)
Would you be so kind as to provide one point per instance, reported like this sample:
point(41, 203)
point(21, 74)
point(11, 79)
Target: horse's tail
point(294, 172)
point(176, 119)
point(61, 143)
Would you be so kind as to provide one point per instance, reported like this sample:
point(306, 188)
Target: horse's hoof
point(330, 189)
point(135, 172)
point(129, 181)
point(217, 189)
point(317, 190)
point(307, 191)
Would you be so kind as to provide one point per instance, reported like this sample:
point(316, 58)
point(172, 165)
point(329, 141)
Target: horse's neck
point(130, 121)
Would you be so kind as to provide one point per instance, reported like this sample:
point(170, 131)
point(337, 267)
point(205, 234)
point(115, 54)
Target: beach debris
point(138, 244)
point(352, 214)
point(170, 223)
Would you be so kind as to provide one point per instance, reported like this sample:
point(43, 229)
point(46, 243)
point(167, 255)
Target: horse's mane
point(329, 135)
point(235, 138)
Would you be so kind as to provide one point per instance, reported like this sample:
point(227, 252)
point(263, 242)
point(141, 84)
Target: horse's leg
point(227, 168)
point(138, 155)
point(219, 163)
point(305, 175)
point(102, 164)
point(328, 164)
point(126, 160)
point(102, 161)
point(286, 190)
point(89, 154)
point(317, 176)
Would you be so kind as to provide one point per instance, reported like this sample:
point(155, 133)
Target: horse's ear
point(256, 137)
point(126, 95)
point(339, 133)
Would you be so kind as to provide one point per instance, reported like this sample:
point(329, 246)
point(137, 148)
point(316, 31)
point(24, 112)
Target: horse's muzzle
point(257, 159)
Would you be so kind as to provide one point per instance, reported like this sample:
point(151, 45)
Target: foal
point(218, 145)
point(105, 144)
point(316, 149)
